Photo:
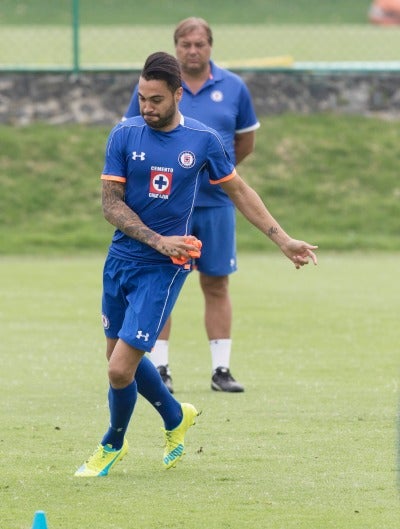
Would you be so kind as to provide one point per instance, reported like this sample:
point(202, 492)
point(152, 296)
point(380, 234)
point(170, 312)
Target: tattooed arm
point(117, 213)
point(123, 217)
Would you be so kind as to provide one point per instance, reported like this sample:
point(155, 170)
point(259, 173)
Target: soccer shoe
point(222, 380)
point(165, 374)
point(175, 439)
point(102, 459)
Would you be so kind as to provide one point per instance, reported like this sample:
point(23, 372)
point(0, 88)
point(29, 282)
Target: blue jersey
point(223, 103)
point(161, 173)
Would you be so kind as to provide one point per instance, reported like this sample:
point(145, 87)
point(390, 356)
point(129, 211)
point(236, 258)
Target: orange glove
point(192, 253)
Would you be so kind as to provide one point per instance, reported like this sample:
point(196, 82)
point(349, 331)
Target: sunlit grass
point(126, 47)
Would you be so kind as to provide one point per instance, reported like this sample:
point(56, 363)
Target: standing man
point(151, 175)
point(221, 100)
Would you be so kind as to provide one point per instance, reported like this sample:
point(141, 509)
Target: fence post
point(75, 33)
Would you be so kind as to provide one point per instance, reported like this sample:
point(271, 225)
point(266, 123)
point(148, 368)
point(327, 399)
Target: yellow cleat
point(175, 439)
point(101, 461)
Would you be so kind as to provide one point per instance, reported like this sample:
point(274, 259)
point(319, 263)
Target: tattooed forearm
point(122, 217)
point(273, 230)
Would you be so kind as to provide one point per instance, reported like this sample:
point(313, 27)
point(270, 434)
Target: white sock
point(220, 352)
point(159, 353)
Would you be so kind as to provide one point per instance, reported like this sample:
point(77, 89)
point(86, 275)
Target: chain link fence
point(76, 42)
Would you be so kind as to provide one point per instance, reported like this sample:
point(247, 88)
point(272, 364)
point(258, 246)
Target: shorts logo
point(186, 159)
point(141, 335)
point(160, 184)
point(105, 321)
point(217, 96)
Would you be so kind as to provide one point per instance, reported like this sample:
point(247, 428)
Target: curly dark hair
point(163, 66)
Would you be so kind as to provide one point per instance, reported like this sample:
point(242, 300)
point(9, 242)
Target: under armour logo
point(142, 156)
point(141, 335)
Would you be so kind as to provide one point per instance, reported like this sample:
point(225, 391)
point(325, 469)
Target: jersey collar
point(215, 72)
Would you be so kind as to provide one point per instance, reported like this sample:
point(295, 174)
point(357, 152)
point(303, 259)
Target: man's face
point(158, 105)
point(193, 51)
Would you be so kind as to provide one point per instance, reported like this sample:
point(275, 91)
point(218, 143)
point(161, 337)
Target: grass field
point(310, 444)
point(259, 33)
point(155, 12)
point(126, 47)
point(329, 179)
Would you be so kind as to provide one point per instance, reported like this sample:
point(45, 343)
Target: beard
point(158, 121)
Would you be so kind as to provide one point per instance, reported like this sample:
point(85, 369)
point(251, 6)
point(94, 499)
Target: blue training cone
point(39, 520)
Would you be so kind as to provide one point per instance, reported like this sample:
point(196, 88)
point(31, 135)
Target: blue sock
point(153, 389)
point(122, 403)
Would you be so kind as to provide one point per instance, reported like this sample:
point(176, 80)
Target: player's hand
point(180, 248)
point(299, 252)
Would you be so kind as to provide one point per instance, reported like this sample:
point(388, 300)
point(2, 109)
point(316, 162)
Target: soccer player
point(221, 100)
point(153, 164)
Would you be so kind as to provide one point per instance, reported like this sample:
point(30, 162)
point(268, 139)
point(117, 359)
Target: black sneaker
point(166, 377)
point(222, 380)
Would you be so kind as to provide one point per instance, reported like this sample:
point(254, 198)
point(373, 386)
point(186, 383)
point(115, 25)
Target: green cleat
point(175, 439)
point(101, 461)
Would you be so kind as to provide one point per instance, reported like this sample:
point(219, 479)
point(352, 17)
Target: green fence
point(82, 35)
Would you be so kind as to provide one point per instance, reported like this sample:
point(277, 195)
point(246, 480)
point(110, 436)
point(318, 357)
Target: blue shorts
point(138, 298)
point(216, 228)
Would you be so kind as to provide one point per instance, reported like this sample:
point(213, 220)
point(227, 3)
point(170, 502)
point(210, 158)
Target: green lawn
point(255, 34)
point(155, 12)
point(332, 180)
point(310, 444)
point(126, 47)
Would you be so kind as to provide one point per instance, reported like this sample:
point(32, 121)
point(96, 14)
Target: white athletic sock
point(159, 354)
point(220, 352)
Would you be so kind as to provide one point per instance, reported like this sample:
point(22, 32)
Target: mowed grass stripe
point(236, 46)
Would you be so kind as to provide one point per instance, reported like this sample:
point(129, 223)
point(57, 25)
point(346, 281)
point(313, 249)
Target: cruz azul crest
point(160, 182)
point(186, 159)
